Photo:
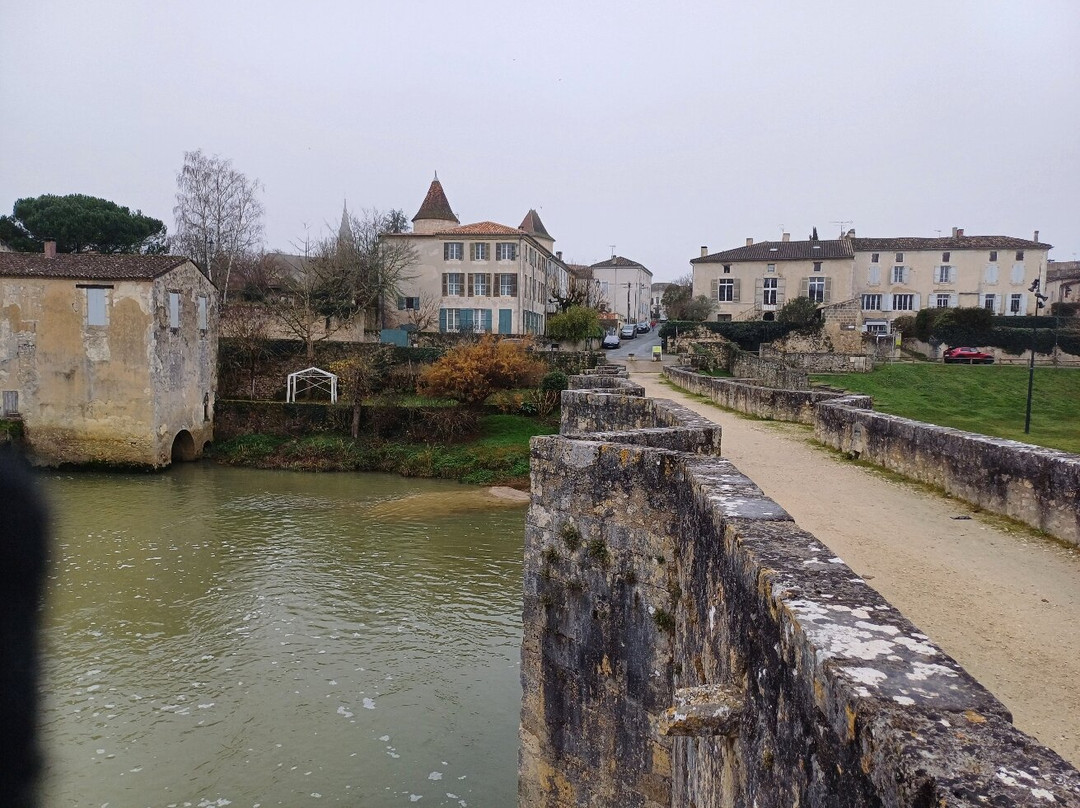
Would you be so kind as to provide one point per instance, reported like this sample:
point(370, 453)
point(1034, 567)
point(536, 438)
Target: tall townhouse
point(484, 276)
point(900, 276)
point(883, 278)
point(754, 281)
point(625, 286)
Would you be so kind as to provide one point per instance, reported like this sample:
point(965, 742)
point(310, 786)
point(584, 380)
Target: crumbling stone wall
point(686, 644)
point(1034, 485)
point(818, 362)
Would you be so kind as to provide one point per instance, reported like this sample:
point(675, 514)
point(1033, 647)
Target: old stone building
point(108, 359)
point(880, 278)
point(483, 276)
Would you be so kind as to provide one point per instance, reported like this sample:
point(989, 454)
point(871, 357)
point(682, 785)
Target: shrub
point(747, 334)
point(905, 325)
point(800, 312)
point(469, 373)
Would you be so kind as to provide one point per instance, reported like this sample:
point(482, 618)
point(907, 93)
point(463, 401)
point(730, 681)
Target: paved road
point(640, 346)
point(1002, 601)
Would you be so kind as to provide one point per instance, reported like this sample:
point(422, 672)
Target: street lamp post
point(1040, 302)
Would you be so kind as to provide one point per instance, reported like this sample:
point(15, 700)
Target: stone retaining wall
point(686, 644)
point(744, 395)
point(821, 362)
point(1034, 485)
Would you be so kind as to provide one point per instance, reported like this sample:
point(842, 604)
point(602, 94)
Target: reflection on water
point(223, 636)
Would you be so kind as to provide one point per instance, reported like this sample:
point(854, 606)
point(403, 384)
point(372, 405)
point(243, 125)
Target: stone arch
point(183, 447)
point(768, 316)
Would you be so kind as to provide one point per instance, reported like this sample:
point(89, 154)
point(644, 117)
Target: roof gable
point(616, 261)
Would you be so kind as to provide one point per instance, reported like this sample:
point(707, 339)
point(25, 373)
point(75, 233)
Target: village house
point(484, 276)
point(108, 359)
point(625, 285)
point(880, 278)
point(1063, 283)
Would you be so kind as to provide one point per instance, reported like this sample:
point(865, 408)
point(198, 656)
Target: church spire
point(346, 227)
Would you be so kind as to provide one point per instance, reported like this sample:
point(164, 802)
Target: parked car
point(610, 340)
point(643, 328)
point(971, 356)
point(628, 331)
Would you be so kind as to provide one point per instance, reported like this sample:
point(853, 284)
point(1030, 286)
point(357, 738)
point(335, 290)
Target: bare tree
point(423, 314)
point(219, 216)
point(584, 292)
point(247, 326)
point(341, 278)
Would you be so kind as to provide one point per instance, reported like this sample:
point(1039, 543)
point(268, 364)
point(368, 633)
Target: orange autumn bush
point(471, 372)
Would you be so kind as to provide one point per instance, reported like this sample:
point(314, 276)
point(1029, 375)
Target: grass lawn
point(978, 398)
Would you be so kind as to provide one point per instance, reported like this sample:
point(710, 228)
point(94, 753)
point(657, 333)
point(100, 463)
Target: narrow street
point(1001, 600)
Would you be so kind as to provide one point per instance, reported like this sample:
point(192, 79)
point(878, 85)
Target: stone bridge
point(687, 644)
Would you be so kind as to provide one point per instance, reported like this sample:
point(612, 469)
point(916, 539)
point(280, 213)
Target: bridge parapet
point(686, 643)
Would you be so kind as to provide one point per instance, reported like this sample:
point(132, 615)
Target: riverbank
point(497, 454)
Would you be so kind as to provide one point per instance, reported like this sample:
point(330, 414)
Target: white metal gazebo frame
point(314, 379)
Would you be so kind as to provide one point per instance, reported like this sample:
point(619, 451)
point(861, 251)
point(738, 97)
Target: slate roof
point(435, 205)
point(947, 243)
point(483, 229)
point(532, 225)
point(87, 266)
point(782, 251)
point(616, 261)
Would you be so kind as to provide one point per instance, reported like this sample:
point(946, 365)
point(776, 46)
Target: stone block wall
point(1034, 485)
point(821, 362)
point(744, 395)
point(768, 373)
point(686, 644)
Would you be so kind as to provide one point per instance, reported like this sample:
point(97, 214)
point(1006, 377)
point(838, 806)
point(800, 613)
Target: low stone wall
point(1034, 485)
point(686, 644)
point(768, 373)
point(821, 362)
point(743, 395)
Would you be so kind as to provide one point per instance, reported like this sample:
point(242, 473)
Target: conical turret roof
point(532, 225)
point(435, 205)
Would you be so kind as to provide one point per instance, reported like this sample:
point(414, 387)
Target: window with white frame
point(453, 250)
point(1016, 303)
point(990, 302)
point(480, 250)
point(452, 320)
point(944, 274)
point(481, 319)
point(508, 284)
point(903, 302)
point(815, 290)
point(725, 290)
point(899, 273)
point(768, 291)
point(174, 309)
point(479, 284)
point(97, 308)
point(201, 312)
point(877, 328)
point(408, 303)
point(453, 284)
point(941, 301)
point(871, 302)
point(505, 251)
point(770, 267)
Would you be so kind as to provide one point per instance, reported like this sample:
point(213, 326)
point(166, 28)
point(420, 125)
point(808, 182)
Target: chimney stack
point(50, 249)
point(850, 234)
point(785, 237)
point(749, 242)
point(954, 232)
point(558, 254)
point(959, 232)
point(704, 250)
point(1036, 236)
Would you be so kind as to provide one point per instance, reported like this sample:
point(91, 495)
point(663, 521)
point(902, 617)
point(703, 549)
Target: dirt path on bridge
point(1001, 600)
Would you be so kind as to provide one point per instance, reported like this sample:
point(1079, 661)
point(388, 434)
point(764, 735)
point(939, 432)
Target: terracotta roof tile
point(435, 205)
point(87, 266)
point(483, 229)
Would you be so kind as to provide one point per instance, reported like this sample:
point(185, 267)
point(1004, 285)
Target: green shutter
point(442, 321)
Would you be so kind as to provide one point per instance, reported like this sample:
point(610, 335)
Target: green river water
point(219, 636)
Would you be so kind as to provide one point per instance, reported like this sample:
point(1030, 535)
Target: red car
point(971, 356)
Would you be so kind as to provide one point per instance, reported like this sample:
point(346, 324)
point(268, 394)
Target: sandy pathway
point(1003, 602)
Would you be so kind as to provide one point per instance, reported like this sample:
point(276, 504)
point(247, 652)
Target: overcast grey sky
point(655, 127)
